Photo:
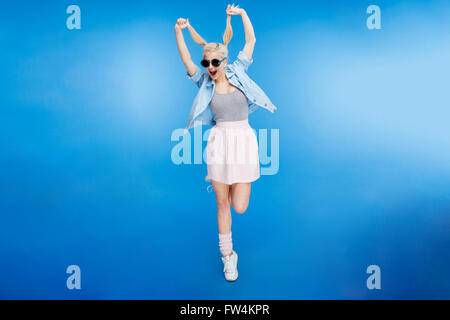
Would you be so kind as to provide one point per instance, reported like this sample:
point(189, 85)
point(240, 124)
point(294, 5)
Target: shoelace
point(228, 265)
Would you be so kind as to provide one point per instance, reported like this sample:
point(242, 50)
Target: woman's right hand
point(181, 24)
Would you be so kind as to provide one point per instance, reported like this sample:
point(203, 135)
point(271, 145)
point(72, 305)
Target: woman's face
point(215, 72)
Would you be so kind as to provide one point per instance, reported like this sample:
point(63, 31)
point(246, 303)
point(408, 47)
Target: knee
point(223, 203)
point(240, 207)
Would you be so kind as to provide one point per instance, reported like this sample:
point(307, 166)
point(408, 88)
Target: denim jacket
point(236, 73)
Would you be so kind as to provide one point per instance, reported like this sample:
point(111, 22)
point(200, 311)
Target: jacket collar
point(228, 72)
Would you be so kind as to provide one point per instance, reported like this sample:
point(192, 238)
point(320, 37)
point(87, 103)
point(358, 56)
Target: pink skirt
point(232, 153)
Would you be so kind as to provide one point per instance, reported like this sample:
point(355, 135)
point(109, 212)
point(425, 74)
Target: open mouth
point(213, 73)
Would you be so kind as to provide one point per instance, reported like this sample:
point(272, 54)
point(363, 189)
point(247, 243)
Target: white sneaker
point(230, 267)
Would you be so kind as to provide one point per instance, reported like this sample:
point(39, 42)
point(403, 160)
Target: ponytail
point(214, 46)
point(196, 37)
point(228, 32)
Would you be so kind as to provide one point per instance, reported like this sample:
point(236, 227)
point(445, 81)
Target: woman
point(226, 97)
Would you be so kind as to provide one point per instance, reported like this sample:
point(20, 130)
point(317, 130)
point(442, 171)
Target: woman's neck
point(221, 79)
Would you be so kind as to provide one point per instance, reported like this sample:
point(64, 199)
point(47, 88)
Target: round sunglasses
point(215, 62)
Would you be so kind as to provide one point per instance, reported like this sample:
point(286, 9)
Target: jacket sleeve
point(197, 77)
point(242, 62)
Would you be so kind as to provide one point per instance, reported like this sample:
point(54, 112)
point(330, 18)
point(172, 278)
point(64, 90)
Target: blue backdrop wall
point(87, 177)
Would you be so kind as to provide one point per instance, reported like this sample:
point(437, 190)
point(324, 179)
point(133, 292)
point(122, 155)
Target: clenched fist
point(182, 24)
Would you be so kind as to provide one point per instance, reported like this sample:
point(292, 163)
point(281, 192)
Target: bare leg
point(240, 196)
point(223, 206)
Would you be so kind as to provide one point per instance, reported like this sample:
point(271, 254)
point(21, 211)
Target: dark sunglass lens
point(215, 62)
point(205, 63)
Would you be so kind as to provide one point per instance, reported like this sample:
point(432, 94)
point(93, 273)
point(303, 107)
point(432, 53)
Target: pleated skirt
point(232, 153)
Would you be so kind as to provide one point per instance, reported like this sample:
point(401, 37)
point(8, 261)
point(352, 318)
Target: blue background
point(87, 177)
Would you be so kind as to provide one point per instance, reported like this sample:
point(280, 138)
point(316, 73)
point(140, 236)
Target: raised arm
point(250, 38)
point(182, 48)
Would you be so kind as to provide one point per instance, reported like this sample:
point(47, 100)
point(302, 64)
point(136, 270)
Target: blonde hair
point(220, 48)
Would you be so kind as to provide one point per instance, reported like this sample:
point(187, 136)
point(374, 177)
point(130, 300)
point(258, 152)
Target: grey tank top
point(229, 106)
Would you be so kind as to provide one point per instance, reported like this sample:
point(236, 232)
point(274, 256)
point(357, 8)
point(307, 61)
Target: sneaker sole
point(232, 280)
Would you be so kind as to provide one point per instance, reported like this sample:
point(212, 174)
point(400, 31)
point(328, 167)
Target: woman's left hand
point(234, 10)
